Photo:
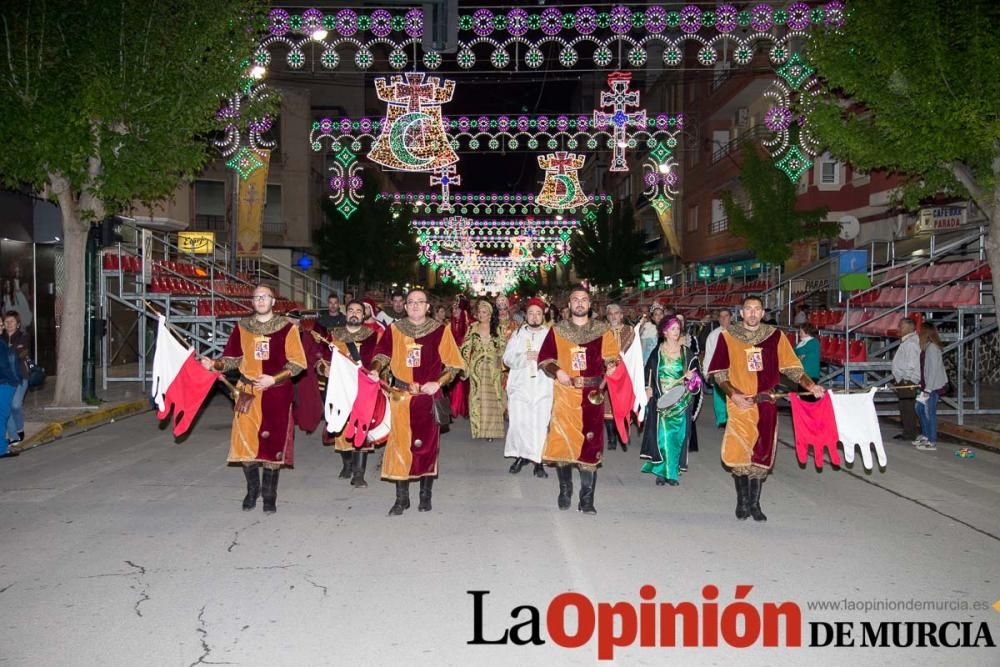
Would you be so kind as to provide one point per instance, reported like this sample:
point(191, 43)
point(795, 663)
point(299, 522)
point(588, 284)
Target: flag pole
point(777, 394)
point(180, 338)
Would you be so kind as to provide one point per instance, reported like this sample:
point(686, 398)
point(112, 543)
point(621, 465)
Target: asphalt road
point(121, 547)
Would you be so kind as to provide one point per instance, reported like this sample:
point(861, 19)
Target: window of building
point(828, 172)
point(720, 222)
point(210, 205)
point(692, 219)
point(273, 221)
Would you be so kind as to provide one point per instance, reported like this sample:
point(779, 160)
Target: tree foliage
point(913, 88)
point(608, 247)
point(109, 103)
point(374, 245)
point(768, 219)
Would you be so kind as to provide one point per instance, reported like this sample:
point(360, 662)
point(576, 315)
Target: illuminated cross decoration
point(416, 90)
point(619, 99)
point(446, 177)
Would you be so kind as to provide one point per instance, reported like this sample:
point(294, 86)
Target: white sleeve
point(513, 356)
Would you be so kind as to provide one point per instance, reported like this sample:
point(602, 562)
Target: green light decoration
point(660, 153)
point(245, 162)
point(345, 157)
point(793, 163)
point(346, 208)
point(795, 71)
point(660, 204)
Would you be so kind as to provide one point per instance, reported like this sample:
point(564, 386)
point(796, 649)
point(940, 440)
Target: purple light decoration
point(656, 19)
point(680, 121)
point(562, 123)
point(517, 22)
point(345, 125)
point(551, 21)
point(463, 123)
point(336, 183)
point(621, 19)
point(798, 16)
point(365, 125)
point(662, 121)
point(778, 119)
point(356, 182)
point(761, 17)
point(542, 122)
point(690, 19)
point(278, 19)
point(725, 18)
point(582, 123)
point(483, 123)
point(834, 15)
point(586, 20)
point(482, 22)
point(523, 123)
point(414, 22)
point(381, 22)
point(649, 178)
point(312, 20)
point(347, 22)
point(326, 125)
point(503, 123)
point(670, 178)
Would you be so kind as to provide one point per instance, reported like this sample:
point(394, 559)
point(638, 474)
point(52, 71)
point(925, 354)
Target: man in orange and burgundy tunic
point(357, 342)
point(418, 356)
point(749, 360)
point(577, 353)
point(267, 350)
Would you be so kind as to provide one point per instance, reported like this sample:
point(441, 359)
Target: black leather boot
point(359, 461)
point(425, 494)
point(742, 499)
point(345, 472)
point(610, 434)
point(402, 499)
point(755, 486)
point(516, 466)
point(565, 474)
point(540, 471)
point(269, 490)
point(588, 480)
point(252, 473)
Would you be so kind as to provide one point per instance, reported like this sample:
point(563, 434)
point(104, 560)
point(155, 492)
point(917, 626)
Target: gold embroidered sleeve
point(720, 376)
point(227, 363)
point(795, 374)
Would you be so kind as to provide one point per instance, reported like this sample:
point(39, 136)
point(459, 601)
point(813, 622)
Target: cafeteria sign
point(940, 218)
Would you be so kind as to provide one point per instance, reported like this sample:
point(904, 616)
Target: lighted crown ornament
point(619, 99)
point(561, 188)
point(413, 136)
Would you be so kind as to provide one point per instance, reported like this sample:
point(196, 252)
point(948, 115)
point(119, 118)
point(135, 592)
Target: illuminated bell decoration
point(561, 188)
point(413, 136)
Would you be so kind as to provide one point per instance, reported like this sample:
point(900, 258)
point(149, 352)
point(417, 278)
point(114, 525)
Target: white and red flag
point(180, 383)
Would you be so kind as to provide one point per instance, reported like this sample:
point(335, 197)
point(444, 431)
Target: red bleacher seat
point(857, 351)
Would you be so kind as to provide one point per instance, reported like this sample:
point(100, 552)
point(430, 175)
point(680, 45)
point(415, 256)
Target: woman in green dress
point(807, 350)
point(482, 351)
point(667, 431)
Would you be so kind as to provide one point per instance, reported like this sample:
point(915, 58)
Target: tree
point(109, 103)
point(769, 221)
point(923, 101)
point(607, 247)
point(374, 245)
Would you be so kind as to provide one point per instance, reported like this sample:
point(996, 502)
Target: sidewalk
point(44, 423)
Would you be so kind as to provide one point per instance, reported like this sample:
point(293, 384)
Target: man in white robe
point(529, 392)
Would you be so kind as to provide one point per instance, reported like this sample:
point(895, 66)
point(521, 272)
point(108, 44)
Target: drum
point(379, 433)
point(671, 397)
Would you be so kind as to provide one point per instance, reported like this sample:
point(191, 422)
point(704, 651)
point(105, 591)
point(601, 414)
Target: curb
point(84, 420)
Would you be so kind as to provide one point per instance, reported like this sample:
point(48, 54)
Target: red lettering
point(647, 617)
point(668, 623)
point(607, 640)
point(555, 620)
point(793, 623)
point(710, 616)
